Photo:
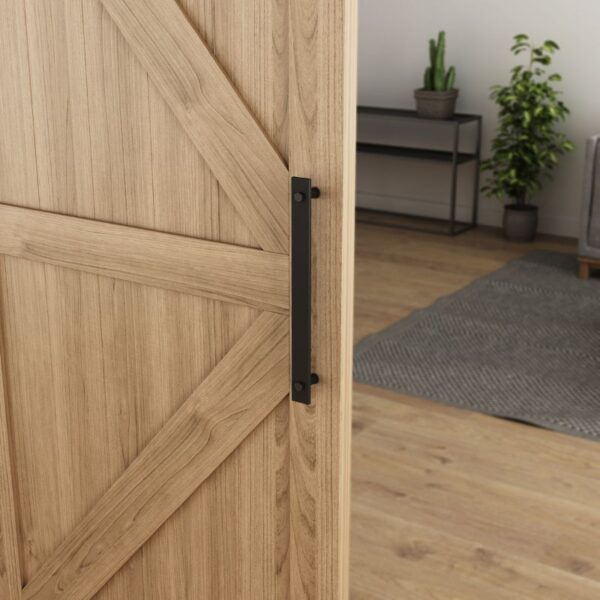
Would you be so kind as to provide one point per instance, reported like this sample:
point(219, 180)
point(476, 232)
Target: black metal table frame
point(455, 157)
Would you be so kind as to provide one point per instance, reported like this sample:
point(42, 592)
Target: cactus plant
point(436, 78)
point(450, 78)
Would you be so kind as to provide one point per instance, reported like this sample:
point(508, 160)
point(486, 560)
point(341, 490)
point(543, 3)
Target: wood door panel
point(106, 145)
point(249, 40)
point(242, 390)
point(114, 361)
point(110, 149)
point(212, 113)
point(143, 227)
point(229, 540)
point(188, 198)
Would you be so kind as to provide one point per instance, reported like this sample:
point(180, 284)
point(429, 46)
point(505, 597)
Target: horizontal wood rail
point(242, 390)
point(215, 270)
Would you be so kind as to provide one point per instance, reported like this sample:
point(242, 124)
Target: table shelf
point(452, 157)
point(417, 153)
point(405, 113)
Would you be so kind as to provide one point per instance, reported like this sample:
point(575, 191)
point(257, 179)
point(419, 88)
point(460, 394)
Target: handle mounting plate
point(302, 376)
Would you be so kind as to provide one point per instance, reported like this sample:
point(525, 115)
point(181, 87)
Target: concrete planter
point(436, 105)
point(520, 222)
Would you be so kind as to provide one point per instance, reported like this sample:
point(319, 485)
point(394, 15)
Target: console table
point(453, 157)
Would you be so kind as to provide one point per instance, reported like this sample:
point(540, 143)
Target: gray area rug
point(522, 343)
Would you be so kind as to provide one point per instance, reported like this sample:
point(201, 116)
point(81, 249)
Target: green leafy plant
point(527, 146)
point(436, 78)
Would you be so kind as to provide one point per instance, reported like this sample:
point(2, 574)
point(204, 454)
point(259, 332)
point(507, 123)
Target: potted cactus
point(437, 98)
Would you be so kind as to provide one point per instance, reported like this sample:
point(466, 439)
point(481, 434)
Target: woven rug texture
point(522, 343)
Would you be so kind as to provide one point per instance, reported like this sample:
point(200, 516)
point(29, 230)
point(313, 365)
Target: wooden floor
point(449, 504)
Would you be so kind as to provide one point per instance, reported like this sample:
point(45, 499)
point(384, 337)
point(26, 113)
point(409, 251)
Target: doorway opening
point(476, 413)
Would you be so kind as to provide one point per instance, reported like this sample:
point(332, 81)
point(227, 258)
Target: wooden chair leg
point(584, 270)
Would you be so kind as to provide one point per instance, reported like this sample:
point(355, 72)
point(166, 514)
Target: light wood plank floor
point(453, 505)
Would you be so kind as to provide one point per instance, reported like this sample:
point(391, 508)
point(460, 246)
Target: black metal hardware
point(302, 376)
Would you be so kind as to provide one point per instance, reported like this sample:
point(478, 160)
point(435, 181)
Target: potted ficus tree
point(527, 145)
point(437, 98)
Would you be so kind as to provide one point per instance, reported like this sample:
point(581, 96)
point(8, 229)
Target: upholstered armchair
point(589, 237)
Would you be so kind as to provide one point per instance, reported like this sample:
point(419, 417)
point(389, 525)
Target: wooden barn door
point(149, 449)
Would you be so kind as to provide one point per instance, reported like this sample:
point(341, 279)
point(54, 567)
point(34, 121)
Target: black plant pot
point(520, 222)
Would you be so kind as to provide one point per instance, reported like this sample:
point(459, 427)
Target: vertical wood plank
point(90, 405)
point(26, 328)
point(111, 124)
point(250, 41)
point(18, 174)
point(18, 185)
point(10, 570)
point(79, 108)
point(48, 63)
point(322, 146)
point(221, 538)
point(91, 115)
point(118, 304)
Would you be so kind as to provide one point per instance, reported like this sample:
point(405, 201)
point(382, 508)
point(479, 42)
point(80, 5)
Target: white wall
point(393, 54)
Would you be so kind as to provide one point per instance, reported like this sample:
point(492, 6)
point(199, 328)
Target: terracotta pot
point(520, 222)
point(436, 105)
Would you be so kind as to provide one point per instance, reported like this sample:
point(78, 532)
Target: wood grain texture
point(322, 146)
point(218, 271)
point(114, 361)
point(242, 390)
point(45, 30)
point(213, 115)
point(233, 532)
point(145, 171)
point(17, 145)
point(10, 569)
point(90, 134)
point(449, 503)
point(407, 562)
point(129, 148)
